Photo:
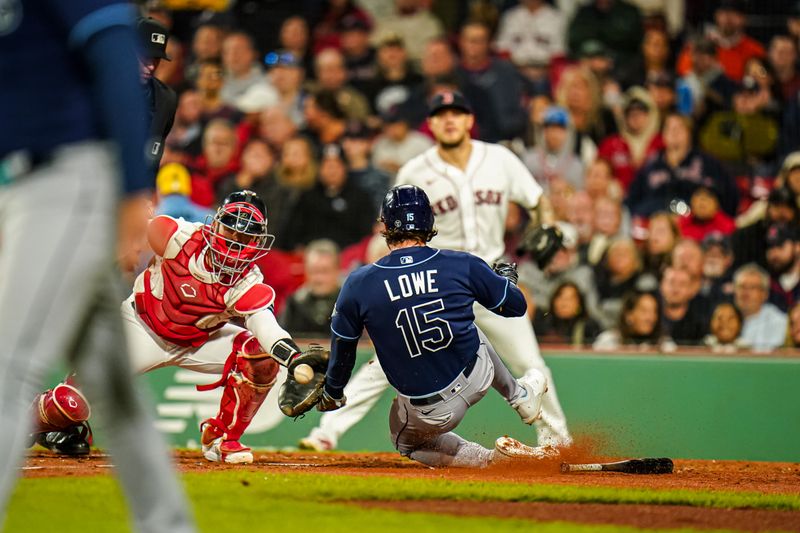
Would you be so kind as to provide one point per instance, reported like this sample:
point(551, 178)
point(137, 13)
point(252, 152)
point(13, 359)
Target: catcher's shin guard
point(248, 377)
point(59, 408)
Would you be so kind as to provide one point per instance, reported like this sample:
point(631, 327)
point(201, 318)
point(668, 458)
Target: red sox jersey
point(471, 206)
point(177, 296)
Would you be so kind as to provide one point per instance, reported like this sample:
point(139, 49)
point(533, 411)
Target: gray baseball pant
point(513, 338)
point(425, 432)
point(59, 299)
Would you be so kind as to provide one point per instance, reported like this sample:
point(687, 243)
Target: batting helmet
point(406, 208)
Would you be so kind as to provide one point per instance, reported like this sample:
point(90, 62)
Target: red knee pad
point(260, 371)
point(61, 407)
point(245, 347)
point(253, 361)
point(246, 344)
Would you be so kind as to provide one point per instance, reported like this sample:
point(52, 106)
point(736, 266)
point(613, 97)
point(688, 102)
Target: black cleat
point(75, 440)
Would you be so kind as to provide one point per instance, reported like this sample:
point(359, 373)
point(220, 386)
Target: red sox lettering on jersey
point(483, 197)
point(177, 297)
point(471, 205)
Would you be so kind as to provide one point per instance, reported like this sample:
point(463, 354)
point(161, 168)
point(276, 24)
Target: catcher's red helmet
point(237, 235)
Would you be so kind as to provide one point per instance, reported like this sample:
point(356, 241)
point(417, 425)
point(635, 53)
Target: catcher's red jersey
point(178, 298)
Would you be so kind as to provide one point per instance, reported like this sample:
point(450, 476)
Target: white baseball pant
point(149, 352)
point(515, 343)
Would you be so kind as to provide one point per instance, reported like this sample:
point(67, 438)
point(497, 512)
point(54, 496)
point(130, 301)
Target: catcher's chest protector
point(179, 307)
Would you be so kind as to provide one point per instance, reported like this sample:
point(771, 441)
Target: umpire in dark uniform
point(161, 99)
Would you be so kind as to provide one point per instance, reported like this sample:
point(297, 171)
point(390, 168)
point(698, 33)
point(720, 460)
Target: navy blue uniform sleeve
point(340, 365)
point(102, 31)
point(346, 328)
point(495, 292)
point(80, 20)
point(346, 321)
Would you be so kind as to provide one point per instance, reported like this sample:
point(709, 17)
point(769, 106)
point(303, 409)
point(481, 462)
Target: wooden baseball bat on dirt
point(647, 465)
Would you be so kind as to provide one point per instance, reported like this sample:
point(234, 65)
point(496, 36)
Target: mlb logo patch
point(406, 260)
point(158, 38)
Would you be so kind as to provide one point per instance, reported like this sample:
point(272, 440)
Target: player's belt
point(436, 398)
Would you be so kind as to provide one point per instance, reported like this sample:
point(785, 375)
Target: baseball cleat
point(529, 403)
point(217, 450)
point(75, 440)
point(315, 444)
point(508, 447)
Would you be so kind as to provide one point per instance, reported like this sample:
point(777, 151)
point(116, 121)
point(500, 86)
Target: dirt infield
point(650, 516)
point(775, 478)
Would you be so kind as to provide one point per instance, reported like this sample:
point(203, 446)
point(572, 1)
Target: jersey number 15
point(422, 329)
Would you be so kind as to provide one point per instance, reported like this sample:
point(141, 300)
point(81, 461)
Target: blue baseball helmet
point(407, 208)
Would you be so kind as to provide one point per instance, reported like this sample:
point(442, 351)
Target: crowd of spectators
point(664, 133)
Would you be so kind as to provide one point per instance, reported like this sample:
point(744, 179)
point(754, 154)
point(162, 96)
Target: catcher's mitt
point(542, 243)
point(294, 398)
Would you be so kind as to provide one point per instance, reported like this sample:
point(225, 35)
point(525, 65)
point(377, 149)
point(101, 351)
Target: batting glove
point(329, 403)
point(507, 270)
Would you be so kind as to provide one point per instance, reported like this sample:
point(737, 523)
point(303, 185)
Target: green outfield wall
point(686, 406)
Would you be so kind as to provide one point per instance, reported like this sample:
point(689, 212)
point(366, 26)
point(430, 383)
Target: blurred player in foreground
point(417, 306)
point(72, 113)
point(470, 184)
point(202, 276)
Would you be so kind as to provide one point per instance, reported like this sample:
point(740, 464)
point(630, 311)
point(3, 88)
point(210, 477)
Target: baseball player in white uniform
point(470, 184)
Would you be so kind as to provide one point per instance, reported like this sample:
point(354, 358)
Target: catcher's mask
point(237, 236)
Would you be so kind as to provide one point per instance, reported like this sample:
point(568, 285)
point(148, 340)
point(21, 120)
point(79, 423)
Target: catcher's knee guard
point(248, 377)
point(60, 408)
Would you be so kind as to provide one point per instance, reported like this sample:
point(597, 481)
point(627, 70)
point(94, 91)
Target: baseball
point(303, 374)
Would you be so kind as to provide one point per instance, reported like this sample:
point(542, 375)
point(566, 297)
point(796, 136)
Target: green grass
point(329, 488)
point(254, 501)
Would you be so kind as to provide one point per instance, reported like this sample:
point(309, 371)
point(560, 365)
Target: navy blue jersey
point(46, 95)
point(416, 305)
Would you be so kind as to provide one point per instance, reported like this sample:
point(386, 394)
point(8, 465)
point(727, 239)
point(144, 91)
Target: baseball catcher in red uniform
point(202, 276)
